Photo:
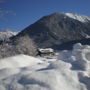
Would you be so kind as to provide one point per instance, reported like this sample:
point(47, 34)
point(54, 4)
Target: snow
point(78, 17)
point(69, 70)
point(6, 34)
point(13, 62)
point(46, 50)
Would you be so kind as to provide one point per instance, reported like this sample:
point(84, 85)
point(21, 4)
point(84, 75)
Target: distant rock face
point(6, 34)
point(58, 28)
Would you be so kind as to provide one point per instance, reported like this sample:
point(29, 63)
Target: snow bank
point(69, 71)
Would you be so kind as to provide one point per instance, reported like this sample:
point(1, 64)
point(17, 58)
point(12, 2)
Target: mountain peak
point(75, 16)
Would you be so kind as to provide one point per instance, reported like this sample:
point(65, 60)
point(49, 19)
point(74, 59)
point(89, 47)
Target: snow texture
point(78, 17)
point(69, 70)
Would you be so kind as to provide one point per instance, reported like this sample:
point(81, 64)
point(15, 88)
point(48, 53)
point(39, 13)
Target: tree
point(24, 45)
point(21, 45)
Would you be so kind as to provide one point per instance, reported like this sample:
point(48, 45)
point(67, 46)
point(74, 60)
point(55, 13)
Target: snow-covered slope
point(70, 70)
point(78, 17)
point(6, 34)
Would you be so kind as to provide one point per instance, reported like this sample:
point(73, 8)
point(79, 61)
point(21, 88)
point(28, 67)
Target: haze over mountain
point(58, 28)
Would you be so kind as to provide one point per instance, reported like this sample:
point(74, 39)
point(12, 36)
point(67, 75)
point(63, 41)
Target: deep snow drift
point(69, 70)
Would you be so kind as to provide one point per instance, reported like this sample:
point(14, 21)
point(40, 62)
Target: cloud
point(2, 1)
point(4, 13)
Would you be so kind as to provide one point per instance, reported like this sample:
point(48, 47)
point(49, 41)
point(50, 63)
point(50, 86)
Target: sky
point(18, 14)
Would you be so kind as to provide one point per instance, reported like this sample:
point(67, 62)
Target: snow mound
point(14, 64)
point(18, 61)
point(78, 17)
point(70, 70)
point(79, 58)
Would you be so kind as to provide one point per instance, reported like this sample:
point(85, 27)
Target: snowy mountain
point(58, 28)
point(69, 70)
point(7, 34)
point(65, 70)
point(78, 17)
